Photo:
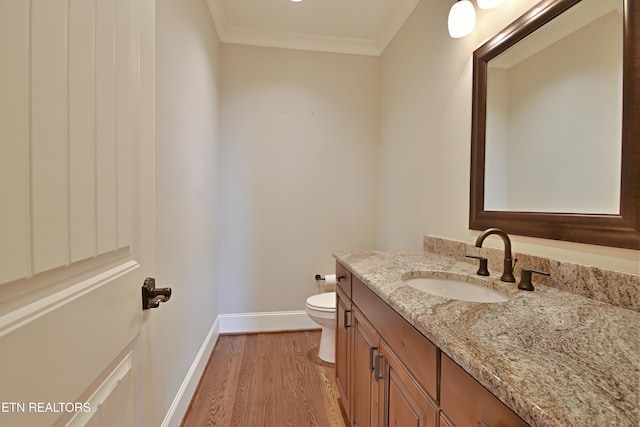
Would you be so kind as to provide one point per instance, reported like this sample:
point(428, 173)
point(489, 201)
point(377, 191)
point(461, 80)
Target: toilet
point(321, 309)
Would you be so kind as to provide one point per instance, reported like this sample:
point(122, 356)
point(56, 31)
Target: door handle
point(152, 296)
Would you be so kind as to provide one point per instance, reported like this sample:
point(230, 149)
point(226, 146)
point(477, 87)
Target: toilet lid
point(325, 301)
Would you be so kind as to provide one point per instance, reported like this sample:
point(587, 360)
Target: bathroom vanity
point(542, 358)
point(392, 375)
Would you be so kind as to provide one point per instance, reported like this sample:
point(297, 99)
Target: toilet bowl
point(321, 309)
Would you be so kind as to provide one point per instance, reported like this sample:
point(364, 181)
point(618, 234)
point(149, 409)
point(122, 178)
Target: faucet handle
point(525, 280)
point(483, 270)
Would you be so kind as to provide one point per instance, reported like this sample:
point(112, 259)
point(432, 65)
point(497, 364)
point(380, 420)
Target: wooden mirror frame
point(621, 230)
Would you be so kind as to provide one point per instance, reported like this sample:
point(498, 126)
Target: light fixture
point(489, 4)
point(462, 19)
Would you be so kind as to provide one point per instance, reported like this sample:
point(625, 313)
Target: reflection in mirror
point(554, 116)
point(563, 153)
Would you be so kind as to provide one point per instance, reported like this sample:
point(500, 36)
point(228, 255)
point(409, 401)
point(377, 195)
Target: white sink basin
point(456, 289)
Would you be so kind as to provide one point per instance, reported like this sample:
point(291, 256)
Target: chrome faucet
point(507, 274)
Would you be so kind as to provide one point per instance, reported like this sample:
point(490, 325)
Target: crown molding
point(299, 41)
point(228, 33)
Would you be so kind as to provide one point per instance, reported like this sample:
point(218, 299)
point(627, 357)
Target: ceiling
point(362, 27)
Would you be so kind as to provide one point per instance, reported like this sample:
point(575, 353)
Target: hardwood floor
point(273, 380)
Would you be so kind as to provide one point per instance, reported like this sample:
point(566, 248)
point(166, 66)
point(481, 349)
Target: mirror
point(554, 114)
point(556, 124)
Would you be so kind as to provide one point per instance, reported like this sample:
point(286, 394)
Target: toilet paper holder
point(333, 277)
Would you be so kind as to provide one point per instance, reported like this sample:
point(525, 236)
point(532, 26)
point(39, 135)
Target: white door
point(77, 210)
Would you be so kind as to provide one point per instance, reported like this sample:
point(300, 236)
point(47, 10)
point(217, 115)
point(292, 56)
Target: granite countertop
point(553, 357)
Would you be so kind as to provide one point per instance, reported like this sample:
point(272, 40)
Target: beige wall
point(425, 134)
point(297, 171)
point(187, 87)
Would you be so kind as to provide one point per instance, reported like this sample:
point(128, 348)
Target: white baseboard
point(181, 402)
point(265, 322)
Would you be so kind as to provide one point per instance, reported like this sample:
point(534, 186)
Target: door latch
point(152, 296)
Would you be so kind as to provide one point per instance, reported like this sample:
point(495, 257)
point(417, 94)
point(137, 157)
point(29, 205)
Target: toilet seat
point(325, 302)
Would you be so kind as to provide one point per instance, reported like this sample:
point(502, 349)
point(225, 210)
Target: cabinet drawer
point(343, 276)
point(467, 403)
point(416, 352)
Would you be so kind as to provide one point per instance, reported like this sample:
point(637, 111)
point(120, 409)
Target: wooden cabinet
point(467, 403)
point(376, 388)
point(384, 392)
point(414, 350)
point(390, 375)
point(343, 336)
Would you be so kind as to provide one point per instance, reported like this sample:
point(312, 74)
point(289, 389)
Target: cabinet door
point(405, 403)
point(365, 385)
point(343, 350)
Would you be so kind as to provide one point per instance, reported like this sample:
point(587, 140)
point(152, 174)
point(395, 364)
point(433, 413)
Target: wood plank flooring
point(274, 380)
